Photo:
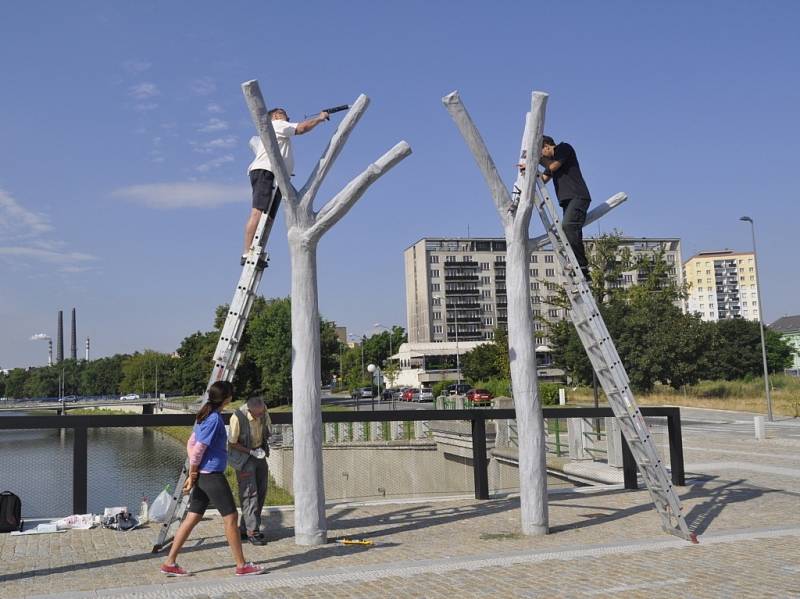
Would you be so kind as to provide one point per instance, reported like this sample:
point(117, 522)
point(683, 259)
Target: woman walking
point(208, 456)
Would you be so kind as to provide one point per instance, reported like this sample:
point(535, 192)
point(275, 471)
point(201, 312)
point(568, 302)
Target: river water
point(124, 464)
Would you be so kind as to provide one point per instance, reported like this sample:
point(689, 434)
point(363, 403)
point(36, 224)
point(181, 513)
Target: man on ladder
point(561, 165)
point(262, 179)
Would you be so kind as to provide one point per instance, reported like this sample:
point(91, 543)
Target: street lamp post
point(375, 371)
point(760, 318)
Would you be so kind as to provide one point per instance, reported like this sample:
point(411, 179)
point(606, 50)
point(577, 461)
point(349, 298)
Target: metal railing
point(477, 417)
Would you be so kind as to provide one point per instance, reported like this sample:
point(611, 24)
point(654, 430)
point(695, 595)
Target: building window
point(534, 258)
point(535, 272)
point(485, 280)
point(437, 315)
point(449, 258)
point(536, 299)
point(486, 293)
point(500, 258)
point(437, 328)
point(548, 258)
point(484, 266)
point(537, 312)
point(467, 259)
point(488, 321)
point(535, 285)
point(434, 274)
point(550, 272)
point(434, 259)
point(437, 301)
point(435, 287)
point(553, 313)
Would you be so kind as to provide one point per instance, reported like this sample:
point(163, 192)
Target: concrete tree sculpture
point(515, 215)
point(305, 228)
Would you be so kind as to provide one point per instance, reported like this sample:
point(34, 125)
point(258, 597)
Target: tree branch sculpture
point(304, 230)
point(515, 216)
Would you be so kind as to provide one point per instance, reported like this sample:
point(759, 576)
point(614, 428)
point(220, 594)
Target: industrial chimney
point(87, 349)
point(60, 338)
point(73, 345)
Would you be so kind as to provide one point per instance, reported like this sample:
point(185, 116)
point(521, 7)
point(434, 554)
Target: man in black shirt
point(561, 165)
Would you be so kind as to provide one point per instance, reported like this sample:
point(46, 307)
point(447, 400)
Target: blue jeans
point(572, 223)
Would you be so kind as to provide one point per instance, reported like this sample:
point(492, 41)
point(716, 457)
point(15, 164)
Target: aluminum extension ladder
point(227, 353)
point(611, 373)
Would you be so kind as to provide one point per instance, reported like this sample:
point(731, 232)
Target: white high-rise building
point(722, 284)
point(460, 282)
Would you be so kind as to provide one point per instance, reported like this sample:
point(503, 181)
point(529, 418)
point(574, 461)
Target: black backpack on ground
point(10, 512)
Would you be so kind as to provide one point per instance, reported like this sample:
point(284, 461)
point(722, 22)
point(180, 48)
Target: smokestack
point(87, 349)
point(60, 338)
point(49, 351)
point(73, 345)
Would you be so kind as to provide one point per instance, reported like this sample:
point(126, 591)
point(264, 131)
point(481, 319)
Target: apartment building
point(458, 284)
point(722, 284)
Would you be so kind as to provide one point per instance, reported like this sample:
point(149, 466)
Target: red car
point(410, 394)
point(479, 397)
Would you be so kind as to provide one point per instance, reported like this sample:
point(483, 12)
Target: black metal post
point(629, 468)
point(80, 477)
point(676, 448)
point(480, 465)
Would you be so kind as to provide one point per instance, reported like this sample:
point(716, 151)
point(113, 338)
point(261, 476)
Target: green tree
point(143, 372)
point(102, 376)
point(656, 341)
point(2, 384)
point(737, 350)
point(270, 346)
point(482, 363)
point(195, 356)
point(329, 343)
point(15, 383)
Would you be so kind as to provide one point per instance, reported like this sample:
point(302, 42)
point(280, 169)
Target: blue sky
point(123, 143)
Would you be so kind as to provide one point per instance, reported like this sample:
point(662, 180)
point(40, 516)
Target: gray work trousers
point(252, 479)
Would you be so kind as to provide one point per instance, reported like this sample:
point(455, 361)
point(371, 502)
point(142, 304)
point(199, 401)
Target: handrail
point(477, 416)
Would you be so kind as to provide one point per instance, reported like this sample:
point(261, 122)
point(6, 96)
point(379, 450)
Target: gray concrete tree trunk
point(305, 228)
point(515, 216)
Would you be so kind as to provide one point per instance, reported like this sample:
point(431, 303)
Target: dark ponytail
point(217, 394)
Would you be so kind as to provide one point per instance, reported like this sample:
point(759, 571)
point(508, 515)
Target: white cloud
point(203, 86)
point(214, 163)
point(215, 108)
point(64, 258)
point(145, 107)
point(214, 124)
point(166, 196)
point(31, 235)
point(142, 91)
point(136, 66)
point(17, 221)
point(213, 145)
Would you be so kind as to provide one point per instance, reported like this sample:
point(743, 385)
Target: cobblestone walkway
point(742, 499)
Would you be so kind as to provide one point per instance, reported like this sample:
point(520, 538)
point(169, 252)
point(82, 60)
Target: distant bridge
point(61, 407)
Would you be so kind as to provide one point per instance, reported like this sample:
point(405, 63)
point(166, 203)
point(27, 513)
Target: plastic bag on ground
point(76, 521)
point(160, 506)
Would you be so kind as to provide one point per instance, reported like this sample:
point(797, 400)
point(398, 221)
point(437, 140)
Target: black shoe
point(257, 539)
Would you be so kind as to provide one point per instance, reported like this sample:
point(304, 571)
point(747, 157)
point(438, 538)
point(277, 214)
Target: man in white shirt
point(260, 170)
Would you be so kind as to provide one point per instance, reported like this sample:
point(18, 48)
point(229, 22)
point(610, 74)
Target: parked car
point(129, 397)
point(458, 388)
point(426, 394)
point(389, 394)
point(68, 398)
point(398, 393)
point(366, 393)
point(411, 394)
point(479, 397)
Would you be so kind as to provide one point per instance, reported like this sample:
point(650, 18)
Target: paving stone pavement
point(742, 499)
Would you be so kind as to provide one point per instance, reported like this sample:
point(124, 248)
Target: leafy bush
point(548, 394)
point(438, 388)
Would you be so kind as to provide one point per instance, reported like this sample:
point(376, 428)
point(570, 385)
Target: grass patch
point(741, 396)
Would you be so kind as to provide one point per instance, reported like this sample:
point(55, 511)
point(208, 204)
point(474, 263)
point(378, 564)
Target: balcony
point(463, 320)
point(460, 277)
point(461, 292)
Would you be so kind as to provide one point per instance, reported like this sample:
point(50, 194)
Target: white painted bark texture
point(305, 227)
point(515, 216)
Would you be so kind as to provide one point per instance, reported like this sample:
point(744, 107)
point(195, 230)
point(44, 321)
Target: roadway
point(367, 404)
